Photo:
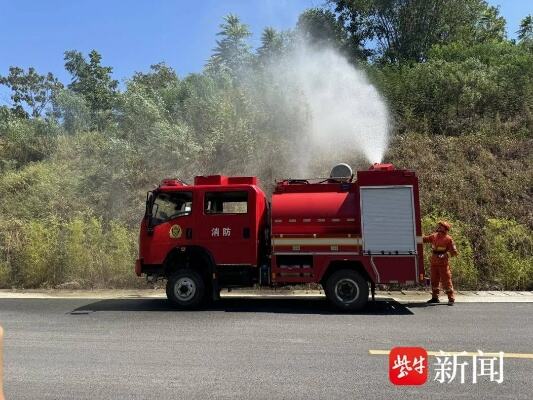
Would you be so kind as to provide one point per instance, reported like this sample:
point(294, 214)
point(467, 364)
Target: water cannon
point(382, 167)
point(341, 172)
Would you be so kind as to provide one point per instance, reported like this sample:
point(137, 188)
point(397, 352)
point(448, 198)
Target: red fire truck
point(346, 233)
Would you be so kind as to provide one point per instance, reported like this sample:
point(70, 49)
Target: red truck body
point(225, 230)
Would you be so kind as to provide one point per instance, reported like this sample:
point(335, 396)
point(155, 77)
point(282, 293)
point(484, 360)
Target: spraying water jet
point(343, 112)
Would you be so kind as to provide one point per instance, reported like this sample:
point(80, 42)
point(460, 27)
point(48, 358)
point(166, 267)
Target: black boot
point(433, 300)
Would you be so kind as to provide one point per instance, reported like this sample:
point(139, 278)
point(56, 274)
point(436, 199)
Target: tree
point(30, 90)
point(462, 89)
point(321, 27)
point(525, 32)
point(489, 25)
point(232, 51)
point(404, 30)
point(272, 45)
point(162, 85)
point(93, 81)
point(72, 110)
point(159, 77)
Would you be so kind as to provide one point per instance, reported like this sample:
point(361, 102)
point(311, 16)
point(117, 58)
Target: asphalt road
point(249, 348)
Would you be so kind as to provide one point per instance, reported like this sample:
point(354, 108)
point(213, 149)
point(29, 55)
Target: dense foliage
point(77, 158)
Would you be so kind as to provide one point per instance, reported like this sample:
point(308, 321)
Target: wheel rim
point(347, 290)
point(184, 289)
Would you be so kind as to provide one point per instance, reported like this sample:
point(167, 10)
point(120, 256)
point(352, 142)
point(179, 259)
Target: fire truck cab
point(346, 234)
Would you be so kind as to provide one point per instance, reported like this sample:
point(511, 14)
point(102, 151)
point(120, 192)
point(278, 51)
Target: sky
point(135, 34)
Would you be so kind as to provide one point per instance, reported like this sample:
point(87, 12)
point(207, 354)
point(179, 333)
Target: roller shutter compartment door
point(387, 218)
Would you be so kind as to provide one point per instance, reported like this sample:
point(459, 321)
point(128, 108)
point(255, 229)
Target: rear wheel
point(347, 290)
point(186, 289)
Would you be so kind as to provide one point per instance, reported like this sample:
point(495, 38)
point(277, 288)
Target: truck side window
point(226, 203)
point(169, 205)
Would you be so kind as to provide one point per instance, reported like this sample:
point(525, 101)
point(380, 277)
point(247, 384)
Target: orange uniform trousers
point(441, 275)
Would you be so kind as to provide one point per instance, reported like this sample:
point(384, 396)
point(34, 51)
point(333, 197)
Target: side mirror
point(150, 211)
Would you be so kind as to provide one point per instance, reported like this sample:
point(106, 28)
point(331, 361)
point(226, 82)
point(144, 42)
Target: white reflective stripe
point(278, 220)
point(419, 239)
point(315, 241)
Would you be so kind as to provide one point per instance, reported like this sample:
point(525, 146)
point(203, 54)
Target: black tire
point(347, 290)
point(186, 289)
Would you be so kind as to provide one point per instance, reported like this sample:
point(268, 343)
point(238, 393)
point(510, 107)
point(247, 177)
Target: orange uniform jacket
point(441, 245)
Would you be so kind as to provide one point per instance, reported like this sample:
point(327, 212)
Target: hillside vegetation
point(77, 158)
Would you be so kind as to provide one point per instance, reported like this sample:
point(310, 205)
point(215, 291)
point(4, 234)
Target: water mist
point(343, 113)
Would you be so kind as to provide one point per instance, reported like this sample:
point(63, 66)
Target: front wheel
point(347, 290)
point(186, 289)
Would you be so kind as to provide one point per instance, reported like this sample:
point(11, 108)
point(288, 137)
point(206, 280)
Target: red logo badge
point(408, 366)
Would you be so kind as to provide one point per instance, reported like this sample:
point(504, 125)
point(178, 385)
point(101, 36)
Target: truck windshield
point(168, 205)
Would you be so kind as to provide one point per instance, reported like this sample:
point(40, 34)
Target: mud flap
point(215, 293)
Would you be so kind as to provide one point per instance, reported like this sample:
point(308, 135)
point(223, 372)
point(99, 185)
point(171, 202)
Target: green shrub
point(5, 274)
point(25, 140)
point(121, 252)
point(79, 252)
point(462, 88)
point(99, 256)
point(464, 272)
point(509, 253)
point(39, 255)
point(83, 250)
point(9, 244)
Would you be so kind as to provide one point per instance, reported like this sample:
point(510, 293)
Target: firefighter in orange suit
point(441, 244)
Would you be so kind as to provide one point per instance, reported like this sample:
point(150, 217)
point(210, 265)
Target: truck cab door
point(227, 228)
point(172, 220)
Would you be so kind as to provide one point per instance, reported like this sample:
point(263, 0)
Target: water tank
point(322, 211)
point(341, 172)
